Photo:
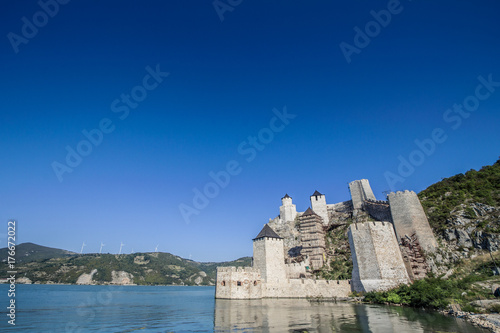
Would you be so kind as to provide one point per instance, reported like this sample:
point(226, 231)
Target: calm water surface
point(51, 308)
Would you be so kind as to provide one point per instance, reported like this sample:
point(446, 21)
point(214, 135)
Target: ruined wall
point(409, 218)
point(377, 260)
point(269, 258)
point(296, 270)
point(238, 283)
point(378, 209)
point(360, 191)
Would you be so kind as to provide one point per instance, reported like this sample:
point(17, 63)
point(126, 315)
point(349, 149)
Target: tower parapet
point(409, 218)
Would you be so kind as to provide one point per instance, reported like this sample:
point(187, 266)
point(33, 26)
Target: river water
point(63, 308)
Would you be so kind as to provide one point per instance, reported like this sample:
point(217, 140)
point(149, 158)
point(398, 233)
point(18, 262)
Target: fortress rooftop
point(267, 232)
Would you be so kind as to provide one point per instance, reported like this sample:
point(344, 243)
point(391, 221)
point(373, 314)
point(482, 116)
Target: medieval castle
point(388, 242)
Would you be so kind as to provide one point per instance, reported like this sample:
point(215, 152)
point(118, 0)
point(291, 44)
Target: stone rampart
point(296, 270)
point(238, 283)
point(377, 260)
point(302, 288)
point(409, 218)
point(378, 209)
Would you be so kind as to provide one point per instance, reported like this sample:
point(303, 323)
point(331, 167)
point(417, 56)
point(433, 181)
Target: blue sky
point(348, 117)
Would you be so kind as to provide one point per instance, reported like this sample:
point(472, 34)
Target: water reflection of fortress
point(387, 247)
point(300, 315)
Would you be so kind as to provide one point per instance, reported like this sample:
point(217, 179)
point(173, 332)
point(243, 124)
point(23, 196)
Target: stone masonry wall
point(302, 288)
point(360, 191)
point(378, 209)
point(409, 218)
point(238, 283)
point(377, 260)
point(296, 270)
point(269, 257)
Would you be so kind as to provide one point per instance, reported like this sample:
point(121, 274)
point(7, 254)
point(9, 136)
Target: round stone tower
point(288, 211)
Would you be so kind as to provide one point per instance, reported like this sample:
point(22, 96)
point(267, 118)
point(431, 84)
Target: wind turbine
point(156, 248)
point(121, 245)
point(83, 245)
point(102, 244)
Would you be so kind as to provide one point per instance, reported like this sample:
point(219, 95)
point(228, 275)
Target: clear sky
point(288, 96)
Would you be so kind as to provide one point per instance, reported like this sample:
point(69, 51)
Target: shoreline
point(490, 321)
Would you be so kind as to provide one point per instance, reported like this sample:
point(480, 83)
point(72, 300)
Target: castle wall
point(269, 258)
point(295, 270)
point(379, 209)
point(246, 283)
point(340, 207)
point(360, 191)
point(409, 218)
point(318, 205)
point(238, 283)
point(302, 288)
point(377, 260)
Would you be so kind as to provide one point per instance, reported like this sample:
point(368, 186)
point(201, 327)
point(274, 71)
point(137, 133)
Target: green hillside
point(146, 268)
point(474, 187)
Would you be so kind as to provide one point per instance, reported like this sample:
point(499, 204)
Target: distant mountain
point(40, 264)
point(27, 252)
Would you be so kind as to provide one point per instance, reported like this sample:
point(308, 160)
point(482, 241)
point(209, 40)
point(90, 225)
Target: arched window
point(223, 283)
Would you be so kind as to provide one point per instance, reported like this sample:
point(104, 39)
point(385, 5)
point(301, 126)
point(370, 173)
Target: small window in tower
point(255, 283)
point(223, 283)
point(238, 283)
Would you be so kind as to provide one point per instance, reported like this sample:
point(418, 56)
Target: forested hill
point(464, 210)
point(41, 264)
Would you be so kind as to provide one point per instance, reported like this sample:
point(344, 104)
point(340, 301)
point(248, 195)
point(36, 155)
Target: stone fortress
point(388, 241)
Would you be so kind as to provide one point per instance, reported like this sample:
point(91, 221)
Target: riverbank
point(489, 321)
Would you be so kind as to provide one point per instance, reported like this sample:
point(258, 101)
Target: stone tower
point(269, 256)
point(376, 257)
point(409, 219)
point(360, 191)
point(312, 237)
point(318, 205)
point(288, 211)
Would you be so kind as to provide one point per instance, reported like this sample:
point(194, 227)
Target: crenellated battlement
point(371, 225)
point(378, 202)
point(233, 269)
point(402, 194)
